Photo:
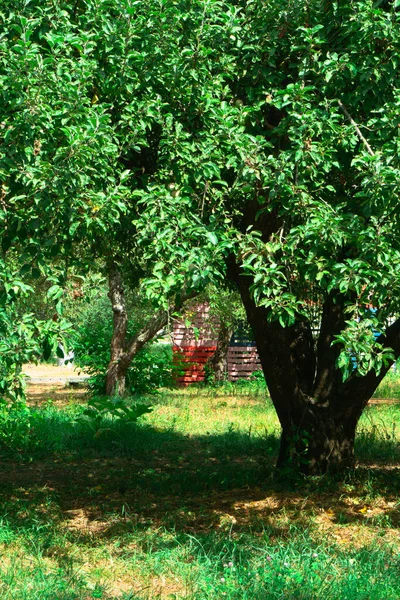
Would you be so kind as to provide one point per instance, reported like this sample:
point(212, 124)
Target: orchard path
point(59, 383)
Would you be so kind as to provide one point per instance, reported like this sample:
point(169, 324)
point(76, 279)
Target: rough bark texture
point(116, 376)
point(218, 361)
point(123, 351)
point(317, 410)
point(319, 439)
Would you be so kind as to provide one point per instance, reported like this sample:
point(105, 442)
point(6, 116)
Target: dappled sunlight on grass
point(198, 546)
point(185, 504)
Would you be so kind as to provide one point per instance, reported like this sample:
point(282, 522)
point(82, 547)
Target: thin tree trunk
point(116, 376)
point(123, 351)
point(219, 360)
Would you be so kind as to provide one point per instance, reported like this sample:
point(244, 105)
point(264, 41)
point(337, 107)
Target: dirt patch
point(59, 394)
point(384, 401)
point(51, 371)
point(61, 385)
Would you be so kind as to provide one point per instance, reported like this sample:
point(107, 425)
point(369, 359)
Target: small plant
point(18, 428)
point(99, 410)
point(15, 425)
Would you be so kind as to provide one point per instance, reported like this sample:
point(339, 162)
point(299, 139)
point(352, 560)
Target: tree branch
point(332, 322)
point(364, 387)
point(356, 127)
point(301, 344)
point(391, 337)
point(153, 326)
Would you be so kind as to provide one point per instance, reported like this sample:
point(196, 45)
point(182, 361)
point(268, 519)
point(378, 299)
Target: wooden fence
point(242, 362)
point(190, 361)
point(195, 341)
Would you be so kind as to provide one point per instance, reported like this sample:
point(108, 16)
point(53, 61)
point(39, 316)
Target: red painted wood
point(191, 360)
point(191, 353)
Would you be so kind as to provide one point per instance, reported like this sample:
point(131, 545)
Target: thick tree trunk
point(218, 361)
point(318, 412)
point(320, 440)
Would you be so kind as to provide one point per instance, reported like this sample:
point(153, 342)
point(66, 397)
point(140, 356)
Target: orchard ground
point(185, 503)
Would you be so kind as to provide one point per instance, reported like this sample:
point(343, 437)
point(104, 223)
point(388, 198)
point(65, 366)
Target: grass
point(185, 504)
point(390, 386)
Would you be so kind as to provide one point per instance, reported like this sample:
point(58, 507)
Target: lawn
point(185, 504)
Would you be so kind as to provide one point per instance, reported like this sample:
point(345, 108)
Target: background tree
point(80, 138)
point(150, 368)
point(125, 345)
point(227, 309)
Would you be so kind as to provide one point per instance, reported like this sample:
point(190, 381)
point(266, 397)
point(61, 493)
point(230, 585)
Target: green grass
point(185, 504)
point(215, 422)
point(163, 563)
point(390, 386)
point(134, 560)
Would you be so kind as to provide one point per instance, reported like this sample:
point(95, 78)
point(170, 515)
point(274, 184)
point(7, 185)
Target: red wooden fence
point(195, 343)
point(190, 362)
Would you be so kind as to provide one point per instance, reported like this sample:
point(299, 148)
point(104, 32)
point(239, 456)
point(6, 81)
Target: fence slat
point(193, 346)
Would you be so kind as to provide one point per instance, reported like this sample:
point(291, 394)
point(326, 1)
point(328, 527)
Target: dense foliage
point(217, 105)
point(203, 138)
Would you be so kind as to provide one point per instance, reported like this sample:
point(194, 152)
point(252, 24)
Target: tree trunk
point(116, 372)
point(122, 350)
point(321, 440)
point(115, 380)
point(218, 361)
point(318, 411)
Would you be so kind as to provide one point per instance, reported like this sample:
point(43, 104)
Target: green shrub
point(99, 409)
point(19, 425)
point(15, 426)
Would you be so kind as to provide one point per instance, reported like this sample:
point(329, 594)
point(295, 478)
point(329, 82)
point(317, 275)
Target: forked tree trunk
point(318, 412)
point(123, 350)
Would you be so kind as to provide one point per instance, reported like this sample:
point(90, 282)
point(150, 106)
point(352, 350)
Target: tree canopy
point(209, 138)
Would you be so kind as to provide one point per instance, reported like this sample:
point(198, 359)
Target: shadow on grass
point(134, 477)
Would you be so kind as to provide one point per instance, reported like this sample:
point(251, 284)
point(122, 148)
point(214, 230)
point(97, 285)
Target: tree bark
point(122, 350)
point(116, 376)
point(318, 412)
point(218, 361)
point(318, 440)
point(120, 361)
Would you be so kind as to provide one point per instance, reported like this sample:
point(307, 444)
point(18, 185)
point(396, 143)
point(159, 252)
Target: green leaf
point(212, 237)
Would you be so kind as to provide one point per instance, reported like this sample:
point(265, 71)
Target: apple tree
point(237, 139)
